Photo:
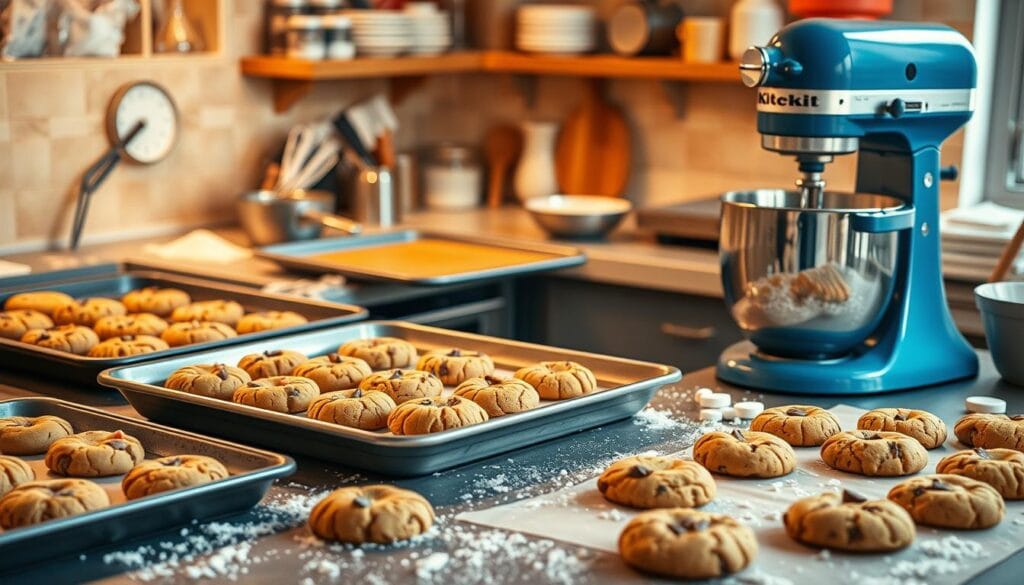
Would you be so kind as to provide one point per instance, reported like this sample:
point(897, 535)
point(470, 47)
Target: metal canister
point(278, 12)
point(372, 197)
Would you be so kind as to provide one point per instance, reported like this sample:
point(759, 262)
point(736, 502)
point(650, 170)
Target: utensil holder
point(372, 197)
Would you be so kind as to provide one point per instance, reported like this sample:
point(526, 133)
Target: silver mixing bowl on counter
point(810, 282)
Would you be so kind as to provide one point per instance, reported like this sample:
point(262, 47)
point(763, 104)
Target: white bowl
point(578, 216)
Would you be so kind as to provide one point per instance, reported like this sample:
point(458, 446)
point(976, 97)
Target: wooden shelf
point(610, 66)
point(361, 68)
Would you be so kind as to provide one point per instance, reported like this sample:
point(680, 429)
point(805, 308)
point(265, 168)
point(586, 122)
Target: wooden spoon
point(1009, 255)
point(502, 146)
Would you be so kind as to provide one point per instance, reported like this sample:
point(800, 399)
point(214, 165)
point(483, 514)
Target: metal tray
point(68, 366)
point(296, 255)
point(252, 473)
point(626, 387)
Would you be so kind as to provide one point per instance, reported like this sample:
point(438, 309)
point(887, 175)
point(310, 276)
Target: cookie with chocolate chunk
point(928, 429)
point(132, 324)
point(189, 332)
point(74, 339)
point(455, 366)
point(353, 408)
point(382, 353)
point(226, 312)
point(991, 431)
point(288, 394)
point(265, 320)
point(1003, 469)
point(371, 513)
point(433, 415)
point(403, 385)
point(16, 323)
point(94, 454)
point(155, 476)
point(153, 299)
point(850, 522)
point(40, 501)
point(745, 454)
point(798, 424)
point(127, 345)
point(950, 501)
point(212, 380)
point(874, 453)
point(44, 301)
point(278, 362)
point(87, 311)
point(499, 396)
point(333, 372)
point(656, 482)
point(559, 380)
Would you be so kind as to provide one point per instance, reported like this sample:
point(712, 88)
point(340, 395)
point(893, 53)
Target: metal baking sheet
point(298, 255)
point(625, 387)
point(68, 366)
point(252, 473)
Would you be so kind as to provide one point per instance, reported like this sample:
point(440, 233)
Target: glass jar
point(338, 36)
point(278, 12)
point(306, 37)
point(453, 178)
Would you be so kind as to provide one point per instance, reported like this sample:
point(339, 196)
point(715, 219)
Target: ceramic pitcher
point(535, 175)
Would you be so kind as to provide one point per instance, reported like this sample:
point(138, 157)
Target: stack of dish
point(555, 28)
point(381, 33)
point(431, 28)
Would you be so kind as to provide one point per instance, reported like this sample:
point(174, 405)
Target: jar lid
point(305, 22)
point(337, 21)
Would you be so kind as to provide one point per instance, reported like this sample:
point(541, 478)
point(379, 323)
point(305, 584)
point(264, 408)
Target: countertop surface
point(458, 553)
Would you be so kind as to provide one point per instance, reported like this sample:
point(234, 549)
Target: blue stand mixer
point(842, 293)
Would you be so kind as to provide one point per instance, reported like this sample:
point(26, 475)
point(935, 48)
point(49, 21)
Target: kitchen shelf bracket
point(675, 93)
point(287, 92)
point(527, 85)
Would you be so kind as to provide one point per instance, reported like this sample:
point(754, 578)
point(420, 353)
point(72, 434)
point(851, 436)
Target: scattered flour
point(656, 420)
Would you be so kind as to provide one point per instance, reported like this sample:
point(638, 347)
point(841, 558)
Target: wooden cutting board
point(592, 154)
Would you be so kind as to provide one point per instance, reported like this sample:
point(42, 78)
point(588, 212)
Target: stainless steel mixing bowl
point(578, 216)
point(809, 282)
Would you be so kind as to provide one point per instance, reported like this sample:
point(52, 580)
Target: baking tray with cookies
point(74, 478)
point(74, 329)
point(421, 257)
point(390, 397)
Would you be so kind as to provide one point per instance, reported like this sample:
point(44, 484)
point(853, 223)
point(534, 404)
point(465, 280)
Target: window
point(1004, 163)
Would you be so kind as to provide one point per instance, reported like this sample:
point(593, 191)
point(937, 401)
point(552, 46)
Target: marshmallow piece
point(715, 400)
point(729, 413)
point(748, 410)
point(700, 393)
point(985, 404)
point(710, 415)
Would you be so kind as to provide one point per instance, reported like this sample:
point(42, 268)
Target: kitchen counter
point(475, 554)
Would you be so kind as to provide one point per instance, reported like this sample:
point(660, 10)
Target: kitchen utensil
point(502, 147)
point(702, 39)
point(311, 171)
point(752, 23)
point(642, 27)
point(593, 152)
point(1008, 256)
point(372, 197)
point(624, 387)
point(577, 216)
point(894, 330)
point(351, 137)
point(535, 173)
point(1002, 313)
point(271, 218)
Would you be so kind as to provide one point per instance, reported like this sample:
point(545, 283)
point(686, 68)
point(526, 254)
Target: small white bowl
point(578, 216)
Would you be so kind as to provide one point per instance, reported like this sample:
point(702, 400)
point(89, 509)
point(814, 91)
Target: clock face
point(148, 102)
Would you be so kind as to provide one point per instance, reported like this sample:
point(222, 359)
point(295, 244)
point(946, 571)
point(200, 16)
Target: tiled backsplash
point(51, 129)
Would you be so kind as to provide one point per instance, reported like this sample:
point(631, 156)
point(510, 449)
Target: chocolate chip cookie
point(132, 324)
point(850, 522)
point(950, 501)
point(499, 396)
point(74, 339)
point(745, 454)
point(656, 482)
point(189, 332)
point(44, 301)
point(287, 394)
point(154, 476)
point(87, 312)
point(212, 380)
point(265, 320)
point(373, 513)
point(798, 424)
point(1003, 469)
point(687, 544)
point(558, 380)
point(455, 366)
point(382, 353)
point(158, 301)
point(333, 372)
point(21, 435)
point(278, 362)
point(13, 472)
point(433, 415)
point(874, 453)
point(39, 501)
point(991, 431)
point(928, 429)
point(16, 323)
point(226, 312)
point(94, 454)
point(403, 385)
point(353, 408)
point(126, 345)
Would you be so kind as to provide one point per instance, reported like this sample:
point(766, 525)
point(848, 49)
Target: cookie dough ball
point(499, 396)
point(403, 385)
point(226, 312)
point(455, 366)
point(127, 345)
point(87, 311)
point(154, 476)
point(265, 320)
point(380, 514)
point(38, 501)
point(687, 544)
point(189, 332)
point(558, 380)
point(433, 415)
point(798, 424)
point(333, 372)
point(353, 408)
point(1003, 469)
point(158, 301)
point(950, 501)
point(211, 380)
point(745, 454)
point(15, 324)
point(382, 353)
point(133, 324)
point(849, 522)
point(74, 339)
point(94, 454)
point(656, 482)
point(13, 472)
point(928, 429)
point(288, 394)
point(991, 431)
point(21, 435)
point(874, 453)
point(44, 301)
point(279, 362)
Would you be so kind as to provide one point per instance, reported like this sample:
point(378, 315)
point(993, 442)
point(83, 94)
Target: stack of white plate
point(556, 28)
point(381, 33)
point(431, 28)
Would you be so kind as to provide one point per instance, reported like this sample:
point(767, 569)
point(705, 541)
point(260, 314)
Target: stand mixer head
point(838, 292)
